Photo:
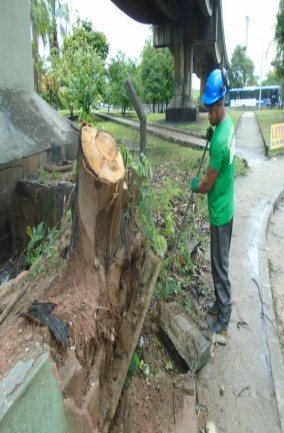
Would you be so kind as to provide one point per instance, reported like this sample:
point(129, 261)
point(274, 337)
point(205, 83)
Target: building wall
point(32, 133)
point(16, 70)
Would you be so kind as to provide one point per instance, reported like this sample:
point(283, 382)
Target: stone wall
point(10, 174)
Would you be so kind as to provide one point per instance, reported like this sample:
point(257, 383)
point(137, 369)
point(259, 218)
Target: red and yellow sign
point(277, 136)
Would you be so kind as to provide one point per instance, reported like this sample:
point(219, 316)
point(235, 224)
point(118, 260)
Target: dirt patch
point(150, 401)
point(91, 313)
point(147, 398)
point(74, 305)
point(149, 406)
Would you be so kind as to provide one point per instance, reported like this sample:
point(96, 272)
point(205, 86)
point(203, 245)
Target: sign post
point(277, 137)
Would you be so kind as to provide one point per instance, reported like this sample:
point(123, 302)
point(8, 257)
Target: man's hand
point(209, 133)
point(194, 184)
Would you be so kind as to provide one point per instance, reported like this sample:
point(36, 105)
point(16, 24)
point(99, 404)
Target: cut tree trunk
point(100, 184)
point(117, 258)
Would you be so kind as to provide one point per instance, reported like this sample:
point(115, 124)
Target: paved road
point(250, 366)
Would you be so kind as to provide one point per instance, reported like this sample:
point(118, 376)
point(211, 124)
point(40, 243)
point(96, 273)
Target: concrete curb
point(268, 313)
point(31, 399)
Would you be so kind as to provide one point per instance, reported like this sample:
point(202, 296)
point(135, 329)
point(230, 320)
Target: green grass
point(266, 118)
point(161, 151)
point(198, 127)
point(165, 197)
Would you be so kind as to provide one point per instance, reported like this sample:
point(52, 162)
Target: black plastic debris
point(239, 324)
point(41, 312)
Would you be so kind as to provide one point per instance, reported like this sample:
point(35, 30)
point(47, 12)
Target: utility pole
point(246, 36)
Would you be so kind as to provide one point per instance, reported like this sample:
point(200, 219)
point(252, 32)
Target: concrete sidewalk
point(250, 367)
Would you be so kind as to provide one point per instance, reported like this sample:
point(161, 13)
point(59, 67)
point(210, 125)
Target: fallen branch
point(9, 287)
point(11, 304)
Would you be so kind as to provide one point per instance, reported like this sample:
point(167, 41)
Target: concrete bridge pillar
point(203, 79)
point(178, 38)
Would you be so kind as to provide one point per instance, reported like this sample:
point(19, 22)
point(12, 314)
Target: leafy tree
point(120, 69)
point(242, 68)
point(84, 33)
point(51, 80)
point(85, 86)
point(157, 75)
point(59, 16)
point(279, 38)
point(271, 79)
point(45, 17)
point(83, 69)
point(75, 73)
point(167, 64)
point(39, 19)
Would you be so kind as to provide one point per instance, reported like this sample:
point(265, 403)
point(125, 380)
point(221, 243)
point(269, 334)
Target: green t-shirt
point(221, 153)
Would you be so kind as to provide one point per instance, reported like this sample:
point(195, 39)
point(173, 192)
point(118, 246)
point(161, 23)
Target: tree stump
point(113, 264)
point(100, 182)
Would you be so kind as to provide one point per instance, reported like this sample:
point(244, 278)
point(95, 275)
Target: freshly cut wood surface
point(101, 154)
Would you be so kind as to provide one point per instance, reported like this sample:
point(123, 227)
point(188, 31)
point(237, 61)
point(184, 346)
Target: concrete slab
point(185, 334)
point(28, 395)
point(28, 125)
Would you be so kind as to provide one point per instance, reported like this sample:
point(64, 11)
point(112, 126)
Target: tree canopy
point(271, 79)
point(48, 18)
point(83, 66)
point(279, 38)
point(242, 69)
point(157, 75)
point(75, 73)
point(121, 69)
point(83, 33)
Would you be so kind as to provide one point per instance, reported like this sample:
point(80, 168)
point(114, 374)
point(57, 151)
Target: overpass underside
point(193, 31)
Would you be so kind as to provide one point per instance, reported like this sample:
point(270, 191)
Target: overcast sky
point(245, 21)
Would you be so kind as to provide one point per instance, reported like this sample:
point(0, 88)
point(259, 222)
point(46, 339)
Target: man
point(218, 184)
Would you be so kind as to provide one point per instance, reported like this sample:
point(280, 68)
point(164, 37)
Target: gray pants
point(220, 241)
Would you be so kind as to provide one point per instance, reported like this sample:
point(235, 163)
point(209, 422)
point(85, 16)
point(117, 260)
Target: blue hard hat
point(215, 87)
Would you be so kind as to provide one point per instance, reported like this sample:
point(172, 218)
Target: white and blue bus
point(253, 96)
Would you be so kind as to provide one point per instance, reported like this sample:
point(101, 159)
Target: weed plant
point(165, 173)
point(164, 196)
point(41, 244)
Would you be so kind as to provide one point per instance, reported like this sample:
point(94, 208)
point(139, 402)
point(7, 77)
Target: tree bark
point(100, 183)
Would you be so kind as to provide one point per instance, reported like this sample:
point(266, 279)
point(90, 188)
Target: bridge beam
point(193, 31)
